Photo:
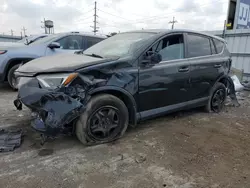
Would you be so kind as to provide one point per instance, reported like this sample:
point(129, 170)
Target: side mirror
point(152, 58)
point(54, 45)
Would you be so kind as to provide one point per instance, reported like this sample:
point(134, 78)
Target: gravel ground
point(185, 149)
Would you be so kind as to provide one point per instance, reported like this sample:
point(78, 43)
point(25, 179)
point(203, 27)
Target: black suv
point(122, 80)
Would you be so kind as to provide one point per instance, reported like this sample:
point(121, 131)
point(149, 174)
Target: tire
point(219, 90)
point(11, 77)
point(91, 121)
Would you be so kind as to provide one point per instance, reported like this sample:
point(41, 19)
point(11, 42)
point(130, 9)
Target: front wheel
point(104, 120)
point(12, 80)
point(217, 98)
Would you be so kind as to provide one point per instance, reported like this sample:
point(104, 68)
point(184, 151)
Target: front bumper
point(52, 110)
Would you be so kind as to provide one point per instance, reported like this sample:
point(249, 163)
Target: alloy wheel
point(104, 123)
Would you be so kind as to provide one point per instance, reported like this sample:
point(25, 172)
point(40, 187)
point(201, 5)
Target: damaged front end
point(54, 108)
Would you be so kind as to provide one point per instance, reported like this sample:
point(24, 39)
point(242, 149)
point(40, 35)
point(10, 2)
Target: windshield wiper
point(94, 55)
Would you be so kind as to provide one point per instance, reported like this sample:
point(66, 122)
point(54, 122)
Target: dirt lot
point(185, 149)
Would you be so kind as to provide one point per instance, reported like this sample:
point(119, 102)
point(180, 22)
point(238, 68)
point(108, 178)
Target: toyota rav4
point(125, 79)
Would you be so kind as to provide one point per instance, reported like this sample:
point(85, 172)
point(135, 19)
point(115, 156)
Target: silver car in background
point(12, 56)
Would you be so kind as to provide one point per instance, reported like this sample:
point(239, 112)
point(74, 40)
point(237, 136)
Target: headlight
point(3, 51)
point(53, 81)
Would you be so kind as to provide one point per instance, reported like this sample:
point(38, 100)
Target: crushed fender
point(54, 109)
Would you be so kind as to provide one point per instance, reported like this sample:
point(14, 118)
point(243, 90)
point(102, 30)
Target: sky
point(113, 15)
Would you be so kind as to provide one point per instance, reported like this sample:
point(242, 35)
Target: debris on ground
point(10, 139)
point(232, 91)
point(238, 86)
point(140, 159)
point(246, 85)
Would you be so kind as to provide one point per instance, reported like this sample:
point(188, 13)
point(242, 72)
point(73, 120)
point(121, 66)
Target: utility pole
point(95, 22)
point(44, 26)
point(21, 35)
point(173, 22)
point(24, 31)
point(224, 29)
point(11, 31)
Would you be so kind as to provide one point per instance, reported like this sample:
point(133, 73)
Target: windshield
point(30, 39)
point(45, 39)
point(118, 45)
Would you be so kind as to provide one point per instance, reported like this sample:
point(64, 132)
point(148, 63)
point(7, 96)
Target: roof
point(82, 33)
point(166, 31)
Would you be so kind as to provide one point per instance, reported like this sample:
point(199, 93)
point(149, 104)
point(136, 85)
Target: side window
point(198, 46)
point(212, 46)
point(71, 42)
point(171, 48)
point(219, 45)
point(90, 41)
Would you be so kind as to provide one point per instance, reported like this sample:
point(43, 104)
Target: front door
point(166, 83)
point(68, 44)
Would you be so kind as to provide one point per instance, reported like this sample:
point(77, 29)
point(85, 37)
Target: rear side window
point(90, 41)
point(198, 46)
point(219, 45)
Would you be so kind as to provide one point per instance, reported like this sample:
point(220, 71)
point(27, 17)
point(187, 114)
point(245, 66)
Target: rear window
point(219, 45)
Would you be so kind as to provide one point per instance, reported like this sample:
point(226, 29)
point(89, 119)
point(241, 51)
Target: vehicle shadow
point(6, 88)
point(32, 139)
point(165, 118)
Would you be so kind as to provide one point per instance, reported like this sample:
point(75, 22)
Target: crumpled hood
point(10, 45)
point(60, 63)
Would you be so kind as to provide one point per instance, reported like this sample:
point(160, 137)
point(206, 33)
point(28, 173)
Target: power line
point(169, 13)
point(108, 25)
point(114, 15)
point(86, 18)
point(160, 16)
point(85, 22)
point(87, 11)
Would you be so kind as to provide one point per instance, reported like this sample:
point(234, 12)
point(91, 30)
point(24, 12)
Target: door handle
point(217, 66)
point(183, 69)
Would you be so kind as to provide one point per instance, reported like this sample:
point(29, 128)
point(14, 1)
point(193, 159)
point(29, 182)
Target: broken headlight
point(53, 81)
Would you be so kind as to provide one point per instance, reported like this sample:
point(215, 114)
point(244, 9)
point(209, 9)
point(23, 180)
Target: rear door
point(206, 64)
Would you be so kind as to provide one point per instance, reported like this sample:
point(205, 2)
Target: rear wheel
point(12, 80)
point(104, 120)
point(217, 98)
